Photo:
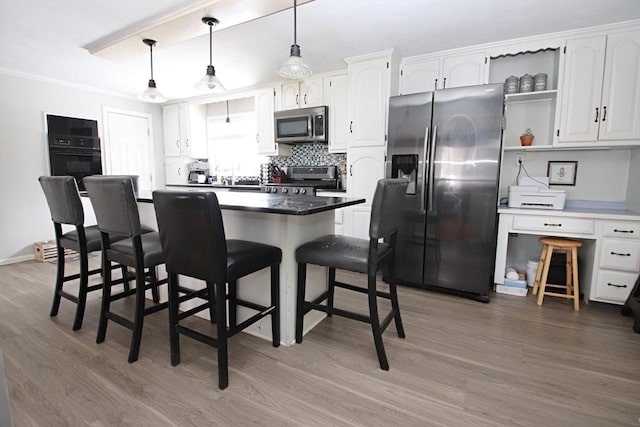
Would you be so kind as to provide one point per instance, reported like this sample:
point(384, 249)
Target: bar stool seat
point(572, 287)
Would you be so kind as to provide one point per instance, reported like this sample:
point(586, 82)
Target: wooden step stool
point(549, 244)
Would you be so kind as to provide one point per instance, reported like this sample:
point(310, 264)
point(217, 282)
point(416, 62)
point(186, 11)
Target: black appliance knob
point(296, 191)
point(303, 191)
point(285, 190)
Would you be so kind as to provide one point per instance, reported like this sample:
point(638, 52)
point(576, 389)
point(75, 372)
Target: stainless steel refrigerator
point(448, 144)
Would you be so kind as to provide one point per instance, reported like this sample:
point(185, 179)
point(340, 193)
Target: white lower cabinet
point(619, 262)
point(176, 170)
point(339, 213)
point(365, 168)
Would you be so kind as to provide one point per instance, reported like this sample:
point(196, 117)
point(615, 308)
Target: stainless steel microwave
point(302, 125)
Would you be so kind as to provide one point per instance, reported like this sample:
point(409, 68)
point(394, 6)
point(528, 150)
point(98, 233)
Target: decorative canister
point(526, 83)
point(511, 85)
point(539, 82)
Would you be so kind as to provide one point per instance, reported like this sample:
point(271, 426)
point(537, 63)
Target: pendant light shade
point(210, 82)
point(151, 93)
point(294, 67)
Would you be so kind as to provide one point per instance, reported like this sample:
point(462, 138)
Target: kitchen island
point(285, 222)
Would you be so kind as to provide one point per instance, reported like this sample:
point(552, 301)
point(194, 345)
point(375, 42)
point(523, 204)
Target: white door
point(419, 77)
point(336, 98)
point(621, 90)
point(290, 96)
point(366, 167)
point(463, 70)
point(171, 127)
point(129, 145)
point(311, 92)
point(367, 102)
point(264, 102)
point(580, 111)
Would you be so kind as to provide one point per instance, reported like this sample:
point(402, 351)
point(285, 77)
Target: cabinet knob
point(179, 172)
point(350, 170)
point(597, 114)
point(619, 254)
point(604, 113)
point(435, 84)
point(616, 286)
point(178, 143)
point(305, 99)
point(550, 224)
point(616, 230)
point(444, 83)
point(351, 126)
point(186, 142)
point(297, 96)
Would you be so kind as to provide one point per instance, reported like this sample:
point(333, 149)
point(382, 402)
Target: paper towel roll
point(512, 274)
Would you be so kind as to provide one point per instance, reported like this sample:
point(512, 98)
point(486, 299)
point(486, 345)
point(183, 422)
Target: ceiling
point(46, 38)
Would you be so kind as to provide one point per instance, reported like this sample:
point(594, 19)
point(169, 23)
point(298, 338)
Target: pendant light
point(294, 67)
point(210, 82)
point(228, 119)
point(151, 94)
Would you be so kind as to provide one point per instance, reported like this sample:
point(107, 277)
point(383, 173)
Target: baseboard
point(17, 259)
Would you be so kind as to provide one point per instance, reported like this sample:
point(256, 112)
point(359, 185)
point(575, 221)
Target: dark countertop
point(245, 187)
point(250, 201)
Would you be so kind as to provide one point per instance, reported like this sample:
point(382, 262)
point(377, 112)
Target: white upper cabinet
point(308, 93)
point(265, 101)
point(185, 130)
point(171, 128)
point(463, 70)
point(369, 87)
point(427, 73)
point(601, 90)
point(336, 98)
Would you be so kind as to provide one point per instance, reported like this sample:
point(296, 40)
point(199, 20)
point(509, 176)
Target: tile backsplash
point(304, 155)
point(309, 155)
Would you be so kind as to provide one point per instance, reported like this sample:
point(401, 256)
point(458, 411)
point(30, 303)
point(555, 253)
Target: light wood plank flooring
point(463, 363)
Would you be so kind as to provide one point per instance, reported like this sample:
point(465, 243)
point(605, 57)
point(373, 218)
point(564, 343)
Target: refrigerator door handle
point(432, 168)
point(423, 193)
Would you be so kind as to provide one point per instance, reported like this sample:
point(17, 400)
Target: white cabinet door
point(419, 76)
point(194, 137)
point(336, 99)
point(463, 70)
point(365, 168)
point(368, 98)
point(312, 93)
point(171, 128)
point(621, 88)
point(264, 100)
point(175, 171)
point(582, 86)
point(290, 96)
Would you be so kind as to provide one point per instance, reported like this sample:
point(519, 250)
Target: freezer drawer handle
point(619, 254)
point(615, 230)
point(616, 286)
point(549, 224)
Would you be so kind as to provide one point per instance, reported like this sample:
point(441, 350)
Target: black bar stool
point(194, 242)
point(116, 209)
point(65, 206)
point(362, 256)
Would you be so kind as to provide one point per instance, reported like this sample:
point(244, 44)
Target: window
point(232, 146)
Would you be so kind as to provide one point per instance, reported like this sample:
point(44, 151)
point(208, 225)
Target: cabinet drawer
point(553, 224)
point(628, 230)
point(620, 254)
point(614, 286)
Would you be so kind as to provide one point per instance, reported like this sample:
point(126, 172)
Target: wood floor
point(507, 363)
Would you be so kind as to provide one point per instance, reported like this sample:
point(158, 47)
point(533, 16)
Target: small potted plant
point(526, 138)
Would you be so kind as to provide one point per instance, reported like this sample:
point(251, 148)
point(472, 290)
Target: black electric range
point(304, 180)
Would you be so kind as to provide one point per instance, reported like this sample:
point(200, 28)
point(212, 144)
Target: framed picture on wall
point(562, 173)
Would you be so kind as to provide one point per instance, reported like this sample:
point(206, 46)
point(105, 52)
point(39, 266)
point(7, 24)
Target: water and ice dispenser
point(406, 166)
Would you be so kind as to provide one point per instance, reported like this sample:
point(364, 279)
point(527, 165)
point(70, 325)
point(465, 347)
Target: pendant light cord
point(151, 51)
point(210, 43)
point(295, 20)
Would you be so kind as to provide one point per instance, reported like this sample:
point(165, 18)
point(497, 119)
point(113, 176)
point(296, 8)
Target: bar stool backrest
point(192, 234)
point(63, 199)
point(386, 208)
point(114, 203)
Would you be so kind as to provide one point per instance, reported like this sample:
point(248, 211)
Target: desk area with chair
point(609, 258)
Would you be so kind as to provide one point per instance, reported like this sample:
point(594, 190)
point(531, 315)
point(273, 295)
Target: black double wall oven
point(74, 147)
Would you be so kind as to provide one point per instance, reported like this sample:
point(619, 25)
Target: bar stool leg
point(545, 273)
point(300, 309)
point(536, 283)
point(576, 286)
point(275, 302)
point(138, 319)
point(375, 322)
point(82, 291)
point(568, 271)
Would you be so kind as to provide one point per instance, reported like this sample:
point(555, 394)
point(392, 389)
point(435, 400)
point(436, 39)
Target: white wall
point(602, 175)
point(633, 192)
point(24, 215)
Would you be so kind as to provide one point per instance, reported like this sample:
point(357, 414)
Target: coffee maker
point(198, 172)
